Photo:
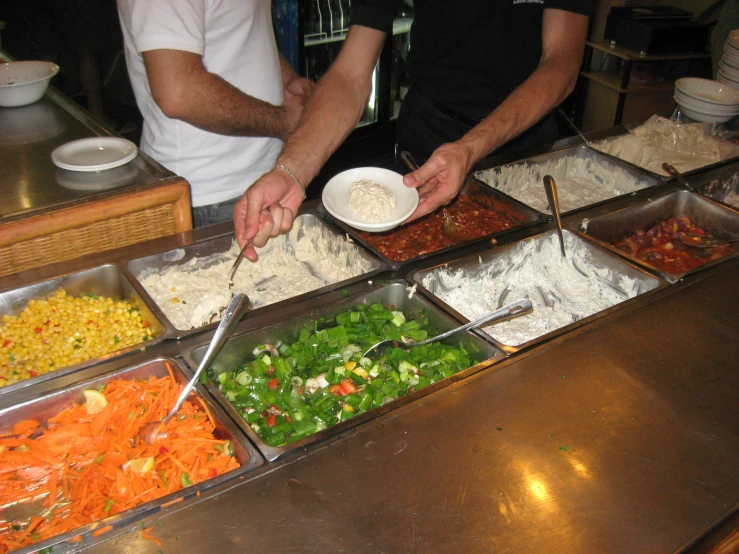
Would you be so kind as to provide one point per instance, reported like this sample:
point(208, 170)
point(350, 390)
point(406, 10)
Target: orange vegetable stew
point(86, 463)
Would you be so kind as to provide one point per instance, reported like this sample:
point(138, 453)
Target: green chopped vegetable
point(321, 378)
point(185, 480)
point(564, 448)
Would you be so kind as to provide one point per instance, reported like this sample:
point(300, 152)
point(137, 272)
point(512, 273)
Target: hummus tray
point(565, 292)
point(608, 230)
point(310, 254)
point(240, 349)
point(48, 405)
point(523, 179)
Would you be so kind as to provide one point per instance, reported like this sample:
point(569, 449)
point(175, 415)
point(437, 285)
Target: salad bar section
point(601, 420)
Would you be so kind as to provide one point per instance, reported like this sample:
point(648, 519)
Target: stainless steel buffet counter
point(616, 433)
point(619, 435)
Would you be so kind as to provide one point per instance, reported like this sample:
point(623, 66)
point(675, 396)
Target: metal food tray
point(238, 350)
point(718, 183)
point(140, 267)
point(608, 229)
point(585, 152)
point(108, 281)
point(479, 193)
point(44, 407)
point(628, 127)
point(472, 265)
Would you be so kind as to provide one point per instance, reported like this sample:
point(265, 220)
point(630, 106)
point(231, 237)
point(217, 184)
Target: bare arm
point(329, 117)
point(563, 41)
point(183, 89)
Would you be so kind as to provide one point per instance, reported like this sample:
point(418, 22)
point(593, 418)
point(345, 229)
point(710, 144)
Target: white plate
point(94, 154)
point(335, 198)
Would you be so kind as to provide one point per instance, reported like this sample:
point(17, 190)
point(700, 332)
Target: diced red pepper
point(274, 410)
point(273, 383)
point(212, 472)
point(163, 449)
point(7, 342)
point(271, 420)
point(38, 329)
point(336, 390)
point(270, 370)
point(146, 324)
point(288, 418)
point(89, 321)
point(348, 387)
point(32, 373)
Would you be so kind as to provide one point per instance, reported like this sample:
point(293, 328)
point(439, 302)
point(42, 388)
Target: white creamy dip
point(658, 140)
point(535, 269)
point(580, 181)
point(371, 201)
point(194, 293)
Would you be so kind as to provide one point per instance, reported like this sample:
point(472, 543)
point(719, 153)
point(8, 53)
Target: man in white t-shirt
point(216, 97)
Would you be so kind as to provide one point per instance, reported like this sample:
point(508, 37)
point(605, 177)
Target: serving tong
point(550, 187)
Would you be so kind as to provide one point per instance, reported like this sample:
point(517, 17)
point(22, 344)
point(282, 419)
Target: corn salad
point(65, 330)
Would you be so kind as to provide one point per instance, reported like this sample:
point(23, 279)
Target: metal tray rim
point(671, 277)
point(130, 517)
point(33, 381)
point(175, 333)
point(658, 180)
point(539, 219)
point(271, 453)
point(514, 349)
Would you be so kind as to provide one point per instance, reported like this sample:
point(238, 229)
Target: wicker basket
point(94, 227)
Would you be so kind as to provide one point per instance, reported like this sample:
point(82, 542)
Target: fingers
point(277, 213)
point(264, 221)
point(287, 220)
point(254, 205)
point(239, 216)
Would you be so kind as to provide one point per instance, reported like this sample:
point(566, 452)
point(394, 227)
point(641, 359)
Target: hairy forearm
point(212, 104)
point(545, 89)
point(329, 117)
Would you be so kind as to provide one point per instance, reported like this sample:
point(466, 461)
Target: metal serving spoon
point(519, 307)
point(550, 187)
point(237, 261)
point(703, 242)
point(238, 305)
point(450, 228)
point(677, 175)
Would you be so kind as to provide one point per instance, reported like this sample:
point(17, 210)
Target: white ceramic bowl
point(705, 107)
point(722, 77)
point(710, 91)
point(23, 83)
point(335, 198)
point(697, 115)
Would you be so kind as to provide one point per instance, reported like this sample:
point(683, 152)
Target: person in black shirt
point(485, 75)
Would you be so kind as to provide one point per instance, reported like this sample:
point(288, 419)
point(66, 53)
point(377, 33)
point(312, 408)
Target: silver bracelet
point(295, 178)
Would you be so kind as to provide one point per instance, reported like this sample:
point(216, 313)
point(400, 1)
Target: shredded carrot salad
point(82, 467)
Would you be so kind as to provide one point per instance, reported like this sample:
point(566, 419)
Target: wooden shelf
point(612, 80)
point(634, 56)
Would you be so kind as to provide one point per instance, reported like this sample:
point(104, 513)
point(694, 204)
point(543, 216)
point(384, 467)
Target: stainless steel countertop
point(31, 183)
point(619, 437)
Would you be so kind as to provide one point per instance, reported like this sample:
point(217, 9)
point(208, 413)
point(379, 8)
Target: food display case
point(618, 429)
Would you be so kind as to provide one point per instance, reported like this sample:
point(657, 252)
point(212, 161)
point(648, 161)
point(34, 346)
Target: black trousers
point(422, 127)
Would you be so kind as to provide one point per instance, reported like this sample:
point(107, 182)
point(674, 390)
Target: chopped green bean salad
point(293, 390)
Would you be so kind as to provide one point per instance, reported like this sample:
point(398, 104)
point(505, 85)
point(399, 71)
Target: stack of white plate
point(728, 66)
point(705, 100)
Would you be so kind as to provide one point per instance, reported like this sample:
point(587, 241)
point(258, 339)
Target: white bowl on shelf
point(23, 83)
point(722, 77)
point(703, 117)
point(335, 198)
point(707, 90)
point(698, 104)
